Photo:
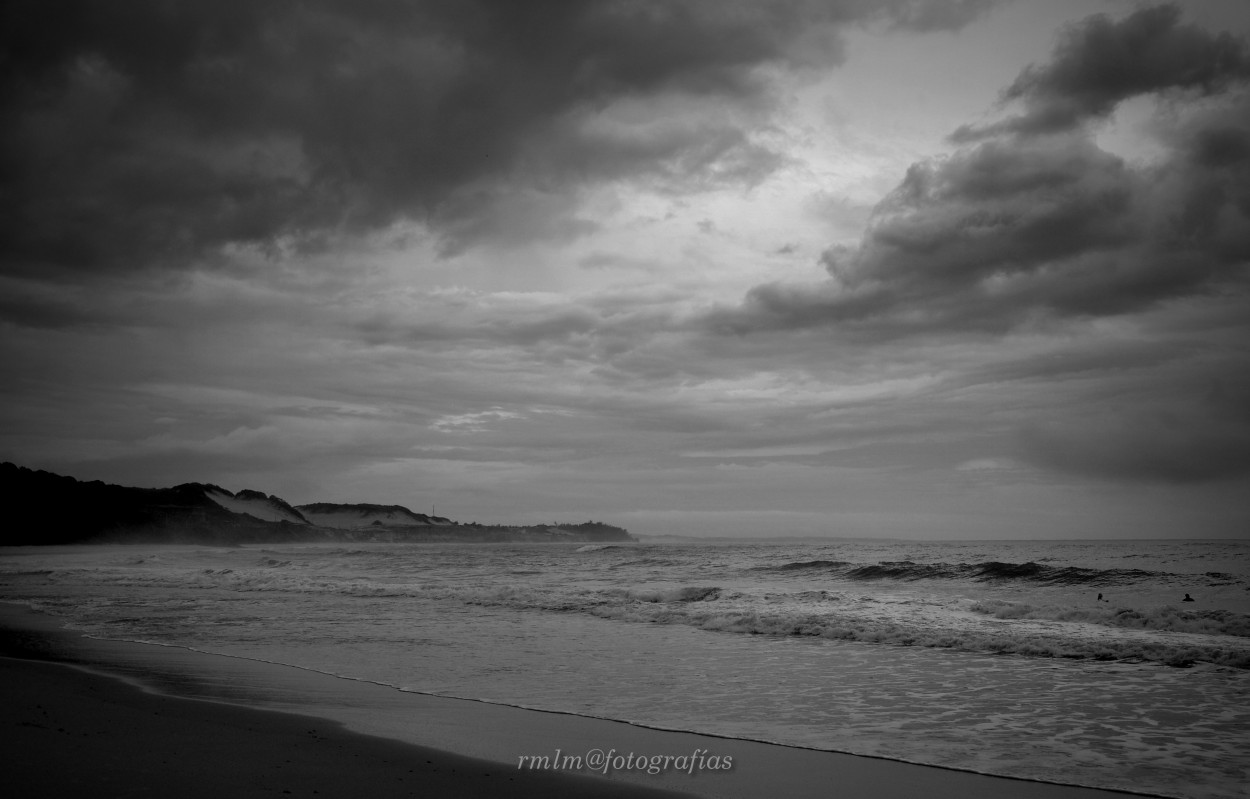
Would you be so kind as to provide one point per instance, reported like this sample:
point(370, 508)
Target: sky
point(915, 269)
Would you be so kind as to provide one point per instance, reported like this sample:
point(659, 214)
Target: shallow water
point(893, 649)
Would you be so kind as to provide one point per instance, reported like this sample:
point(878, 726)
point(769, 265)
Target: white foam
point(699, 638)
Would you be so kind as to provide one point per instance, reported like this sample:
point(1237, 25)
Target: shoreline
point(72, 731)
point(490, 736)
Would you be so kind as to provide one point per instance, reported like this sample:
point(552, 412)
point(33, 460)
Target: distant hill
point(41, 508)
point(354, 517)
point(257, 505)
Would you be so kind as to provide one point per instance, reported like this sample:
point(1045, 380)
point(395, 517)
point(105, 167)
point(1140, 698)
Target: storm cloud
point(1020, 228)
point(1099, 63)
point(1033, 228)
point(692, 264)
point(145, 133)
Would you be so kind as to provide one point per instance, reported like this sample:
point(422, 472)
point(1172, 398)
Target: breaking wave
point(1206, 622)
point(808, 565)
point(988, 571)
point(690, 594)
point(995, 626)
point(827, 615)
point(837, 612)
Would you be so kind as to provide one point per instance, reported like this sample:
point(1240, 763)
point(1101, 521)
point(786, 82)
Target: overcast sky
point(946, 269)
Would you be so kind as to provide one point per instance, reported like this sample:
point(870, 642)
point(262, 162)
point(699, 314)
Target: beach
point(733, 400)
point(74, 733)
point(121, 718)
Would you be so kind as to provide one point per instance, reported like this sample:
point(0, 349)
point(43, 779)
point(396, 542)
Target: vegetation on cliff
point(44, 508)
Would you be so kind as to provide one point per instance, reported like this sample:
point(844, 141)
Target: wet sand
point(118, 718)
point(68, 732)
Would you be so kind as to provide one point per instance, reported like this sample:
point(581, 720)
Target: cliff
point(43, 508)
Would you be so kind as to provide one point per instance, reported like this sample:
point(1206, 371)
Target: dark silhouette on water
point(1187, 598)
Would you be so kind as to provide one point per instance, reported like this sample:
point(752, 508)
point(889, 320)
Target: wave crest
point(1168, 618)
point(988, 571)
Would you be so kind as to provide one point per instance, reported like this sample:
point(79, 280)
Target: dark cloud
point(1158, 446)
point(997, 235)
point(146, 131)
point(1017, 230)
point(923, 15)
point(1143, 404)
point(1224, 146)
point(997, 210)
point(1089, 361)
point(1050, 234)
point(23, 307)
point(1100, 62)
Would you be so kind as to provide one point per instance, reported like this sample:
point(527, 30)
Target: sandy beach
point(69, 732)
point(130, 719)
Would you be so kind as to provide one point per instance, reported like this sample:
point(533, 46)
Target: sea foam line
point(138, 682)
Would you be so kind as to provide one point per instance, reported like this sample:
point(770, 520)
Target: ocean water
point(996, 657)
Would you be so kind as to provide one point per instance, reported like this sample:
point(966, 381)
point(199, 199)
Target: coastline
point(72, 732)
point(442, 743)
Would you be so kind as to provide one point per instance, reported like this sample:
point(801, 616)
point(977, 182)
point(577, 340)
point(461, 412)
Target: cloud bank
point(147, 133)
point(1022, 226)
point(1032, 228)
point(548, 260)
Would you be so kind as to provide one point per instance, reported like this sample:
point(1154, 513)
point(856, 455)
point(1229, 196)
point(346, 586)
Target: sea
point(1077, 662)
